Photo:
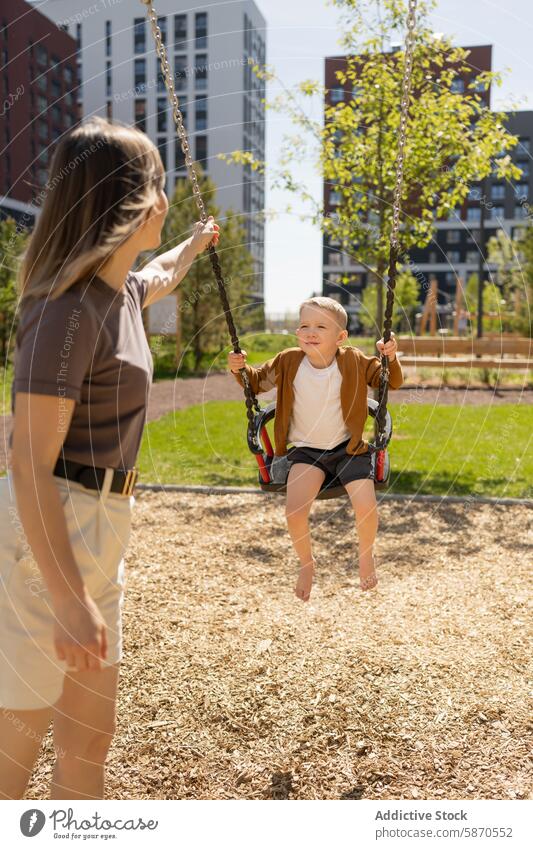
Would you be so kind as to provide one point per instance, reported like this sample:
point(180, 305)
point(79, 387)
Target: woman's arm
point(37, 439)
point(167, 270)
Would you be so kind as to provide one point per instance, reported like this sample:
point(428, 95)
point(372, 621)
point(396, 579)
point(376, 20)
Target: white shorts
point(99, 524)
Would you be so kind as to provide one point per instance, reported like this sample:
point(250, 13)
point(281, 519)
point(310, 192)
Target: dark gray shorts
point(335, 462)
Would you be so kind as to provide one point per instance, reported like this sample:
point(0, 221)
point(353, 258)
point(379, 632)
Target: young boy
point(321, 408)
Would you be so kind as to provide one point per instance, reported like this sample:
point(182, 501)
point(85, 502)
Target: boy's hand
point(389, 349)
point(236, 361)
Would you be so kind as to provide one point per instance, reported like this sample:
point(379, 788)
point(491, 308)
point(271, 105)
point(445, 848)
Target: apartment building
point(211, 50)
point(37, 104)
point(459, 241)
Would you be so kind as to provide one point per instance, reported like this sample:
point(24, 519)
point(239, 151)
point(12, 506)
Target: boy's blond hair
point(331, 305)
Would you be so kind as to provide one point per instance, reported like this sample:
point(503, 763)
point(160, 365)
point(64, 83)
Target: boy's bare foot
point(304, 583)
point(367, 572)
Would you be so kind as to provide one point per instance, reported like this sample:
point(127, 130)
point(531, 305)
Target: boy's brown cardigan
point(357, 372)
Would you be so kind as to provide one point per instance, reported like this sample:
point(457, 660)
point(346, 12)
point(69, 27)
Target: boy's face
point(319, 334)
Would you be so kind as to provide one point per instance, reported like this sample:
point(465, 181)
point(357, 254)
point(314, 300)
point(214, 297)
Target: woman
point(83, 370)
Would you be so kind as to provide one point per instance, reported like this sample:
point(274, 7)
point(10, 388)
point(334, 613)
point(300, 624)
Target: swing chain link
point(252, 404)
point(381, 412)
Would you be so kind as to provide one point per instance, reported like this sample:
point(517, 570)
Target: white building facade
point(211, 50)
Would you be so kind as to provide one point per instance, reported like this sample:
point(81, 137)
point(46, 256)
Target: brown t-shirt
point(89, 344)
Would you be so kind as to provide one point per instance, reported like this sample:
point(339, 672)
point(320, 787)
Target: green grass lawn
point(448, 450)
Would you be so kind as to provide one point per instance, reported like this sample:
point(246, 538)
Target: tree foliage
point(453, 138)
point(406, 299)
point(12, 242)
point(203, 325)
point(513, 261)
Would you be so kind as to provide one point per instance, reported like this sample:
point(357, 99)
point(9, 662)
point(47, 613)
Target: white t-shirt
point(317, 420)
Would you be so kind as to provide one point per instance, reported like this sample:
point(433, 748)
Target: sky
point(300, 33)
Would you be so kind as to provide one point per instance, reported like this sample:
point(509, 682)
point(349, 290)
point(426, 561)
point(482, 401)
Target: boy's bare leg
point(363, 498)
point(303, 485)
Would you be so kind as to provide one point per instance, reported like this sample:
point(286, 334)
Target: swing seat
point(274, 470)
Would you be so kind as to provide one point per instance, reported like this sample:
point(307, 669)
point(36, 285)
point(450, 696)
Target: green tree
point(203, 325)
point(453, 139)
point(12, 242)
point(406, 300)
point(513, 259)
point(494, 312)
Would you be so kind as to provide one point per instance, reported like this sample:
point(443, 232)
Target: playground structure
point(438, 350)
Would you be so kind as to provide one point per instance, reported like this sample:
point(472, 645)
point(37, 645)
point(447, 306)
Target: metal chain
point(251, 402)
point(381, 412)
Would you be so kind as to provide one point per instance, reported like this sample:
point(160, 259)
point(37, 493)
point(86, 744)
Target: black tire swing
point(273, 471)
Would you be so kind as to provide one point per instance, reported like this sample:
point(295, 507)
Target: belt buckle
point(130, 481)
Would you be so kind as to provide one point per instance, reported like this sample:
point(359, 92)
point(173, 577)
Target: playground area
point(231, 690)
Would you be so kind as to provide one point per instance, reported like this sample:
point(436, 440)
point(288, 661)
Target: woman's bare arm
point(168, 269)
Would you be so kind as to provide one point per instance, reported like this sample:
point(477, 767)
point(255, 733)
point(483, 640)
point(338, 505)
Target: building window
point(180, 32)
point(472, 257)
point(201, 150)
point(180, 73)
point(109, 110)
point(78, 36)
point(108, 81)
point(140, 115)
point(160, 78)
point(522, 148)
point(42, 83)
point(200, 30)
point(108, 38)
point(496, 212)
point(524, 167)
point(520, 210)
point(497, 191)
point(334, 198)
point(337, 95)
point(69, 75)
point(162, 121)
point(56, 88)
point(162, 24)
point(432, 257)
point(179, 156)
point(200, 71)
point(42, 103)
point(473, 213)
point(521, 191)
point(454, 257)
point(453, 237)
point(57, 113)
point(41, 54)
point(139, 71)
point(162, 147)
point(334, 258)
point(139, 35)
point(42, 130)
point(474, 193)
point(201, 112)
point(449, 279)
point(457, 86)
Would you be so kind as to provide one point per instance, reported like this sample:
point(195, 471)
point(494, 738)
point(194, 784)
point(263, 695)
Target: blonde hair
point(104, 178)
point(331, 305)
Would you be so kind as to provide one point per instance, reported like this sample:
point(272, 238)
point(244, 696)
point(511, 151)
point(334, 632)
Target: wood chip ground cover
point(231, 689)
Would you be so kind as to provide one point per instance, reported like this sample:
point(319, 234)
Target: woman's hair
point(104, 178)
point(331, 305)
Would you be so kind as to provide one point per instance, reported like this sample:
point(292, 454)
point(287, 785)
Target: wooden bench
point(508, 352)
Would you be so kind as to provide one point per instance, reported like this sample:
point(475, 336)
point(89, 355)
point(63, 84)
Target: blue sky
point(300, 34)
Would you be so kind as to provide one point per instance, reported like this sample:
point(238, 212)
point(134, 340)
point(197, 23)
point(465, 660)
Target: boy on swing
point(321, 409)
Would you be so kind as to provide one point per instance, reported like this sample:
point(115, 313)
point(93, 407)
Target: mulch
point(232, 689)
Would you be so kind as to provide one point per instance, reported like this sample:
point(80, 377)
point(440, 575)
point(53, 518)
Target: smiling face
point(319, 335)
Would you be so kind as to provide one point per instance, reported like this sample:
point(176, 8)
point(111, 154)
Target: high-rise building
point(458, 242)
point(211, 50)
point(37, 104)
